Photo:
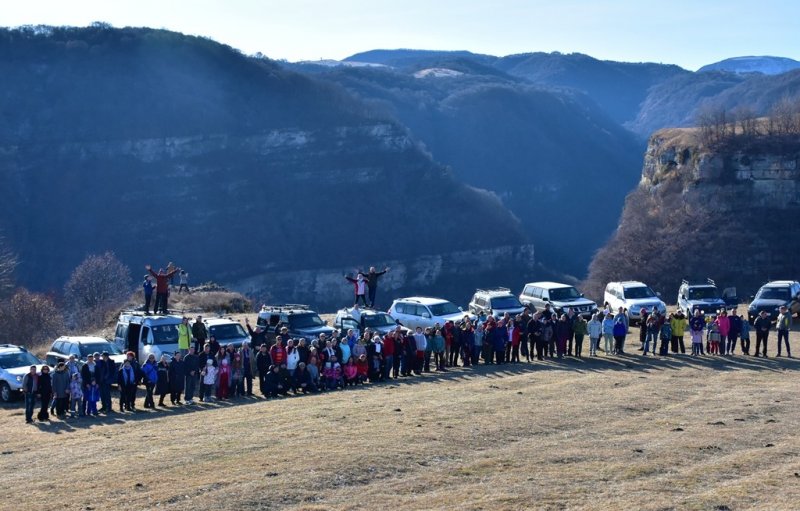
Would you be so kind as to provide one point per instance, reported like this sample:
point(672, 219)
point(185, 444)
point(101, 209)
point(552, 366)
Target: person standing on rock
point(162, 287)
point(183, 279)
point(372, 282)
point(199, 334)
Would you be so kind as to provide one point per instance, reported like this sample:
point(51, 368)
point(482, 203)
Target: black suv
point(302, 322)
point(772, 296)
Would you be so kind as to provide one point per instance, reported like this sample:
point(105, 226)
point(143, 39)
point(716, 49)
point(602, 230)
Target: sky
point(689, 33)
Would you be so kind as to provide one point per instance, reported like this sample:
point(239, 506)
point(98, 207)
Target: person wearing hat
point(643, 317)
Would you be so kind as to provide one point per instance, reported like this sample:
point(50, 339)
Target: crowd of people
point(280, 365)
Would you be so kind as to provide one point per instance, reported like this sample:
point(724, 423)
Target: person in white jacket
point(292, 357)
point(595, 330)
point(422, 343)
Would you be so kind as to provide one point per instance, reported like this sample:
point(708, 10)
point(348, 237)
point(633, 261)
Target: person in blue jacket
point(620, 331)
point(147, 287)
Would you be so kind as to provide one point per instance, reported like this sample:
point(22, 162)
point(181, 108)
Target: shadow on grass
point(634, 363)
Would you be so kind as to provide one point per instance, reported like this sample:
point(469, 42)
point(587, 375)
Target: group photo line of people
point(203, 370)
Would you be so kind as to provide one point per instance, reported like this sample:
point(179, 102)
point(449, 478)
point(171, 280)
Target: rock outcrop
point(727, 212)
point(163, 147)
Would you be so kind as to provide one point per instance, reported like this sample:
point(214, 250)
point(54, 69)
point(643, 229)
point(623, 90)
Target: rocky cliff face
point(726, 212)
point(454, 275)
point(163, 147)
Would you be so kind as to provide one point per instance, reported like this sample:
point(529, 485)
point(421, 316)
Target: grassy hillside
point(651, 434)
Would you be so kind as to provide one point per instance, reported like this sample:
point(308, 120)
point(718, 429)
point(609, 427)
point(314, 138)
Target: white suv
point(633, 295)
point(421, 311)
point(15, 363)
point(495, 302)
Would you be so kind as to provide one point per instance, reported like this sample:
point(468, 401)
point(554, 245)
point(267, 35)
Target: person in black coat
point(302, 379)
point(162, 383)
point(128, 378)
point(177, 378)
point(45, 391)
point(108, 375)
point(272, 382)
point(263, 363)
point(257, 336)
point(248, 359)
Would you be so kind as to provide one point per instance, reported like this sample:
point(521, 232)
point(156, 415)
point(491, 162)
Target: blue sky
point(683, 32)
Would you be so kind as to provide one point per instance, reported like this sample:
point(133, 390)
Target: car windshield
point(309, 320)
point(443, 309)
point(506, 302)
point(227, 331)
point(90, 348)
point(165, 334)
point(564, 293)
point(378, 320)
point(633, 293)
point(773, 293)
point(18, 359)
point(703, 293)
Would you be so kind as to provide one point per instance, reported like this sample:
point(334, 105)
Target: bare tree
point(746, 121)
point(101, 284)
point(786, 115)
point(30, 319)
point(714, 123)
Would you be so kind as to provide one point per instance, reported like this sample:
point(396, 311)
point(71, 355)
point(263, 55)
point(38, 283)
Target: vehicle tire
point(6, 396)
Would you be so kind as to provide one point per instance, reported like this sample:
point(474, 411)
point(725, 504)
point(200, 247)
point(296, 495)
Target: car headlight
point(19, 379)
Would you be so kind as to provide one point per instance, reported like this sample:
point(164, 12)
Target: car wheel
point(5, 392)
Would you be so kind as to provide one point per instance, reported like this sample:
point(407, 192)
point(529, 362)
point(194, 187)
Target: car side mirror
point(581, 295)
point(658, 295)
point(462, 310)
point(326, 321)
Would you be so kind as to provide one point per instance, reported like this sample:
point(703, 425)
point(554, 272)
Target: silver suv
point(495, 302)
point(560, 297)
point(423, 311)
point(15, 362)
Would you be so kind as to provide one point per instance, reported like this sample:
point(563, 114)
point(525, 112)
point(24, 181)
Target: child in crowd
point(333, 374)
point(350, 373)
point(237, 376)
point(595, 329)
point(608, 333)
point(209, 379)
point(713, 337)
point(744, 334)
point(223, 379)
point(92, 397)
point(665, 333)
point(362, 369)
point(75, 395)
point(313, 374)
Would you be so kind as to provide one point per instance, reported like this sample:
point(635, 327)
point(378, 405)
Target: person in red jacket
point(388, 354)
point(162, 287)
point(277, 352)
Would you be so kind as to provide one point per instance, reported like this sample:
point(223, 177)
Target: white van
point(144, 334)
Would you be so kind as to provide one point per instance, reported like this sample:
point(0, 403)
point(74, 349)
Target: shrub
point(99, 286)
point(30, 319)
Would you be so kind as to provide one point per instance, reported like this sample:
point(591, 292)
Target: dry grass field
point(604, 433)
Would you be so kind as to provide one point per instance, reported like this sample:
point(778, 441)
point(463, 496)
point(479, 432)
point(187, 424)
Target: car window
point(637, 292)
point(305, 320)
point(227, 331)
point(773, 293)
point(505, 302)
point(165, 334)
point(564, 293)
point(57, 346)
point(18, 359)
point(74, 349)
point(400, 308)
point(703, 293)
point(443, 309)
point(537, 292)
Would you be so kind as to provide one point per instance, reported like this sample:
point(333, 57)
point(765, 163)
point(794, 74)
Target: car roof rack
point(493, 290)
point(284, 306)
point(708, 282)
